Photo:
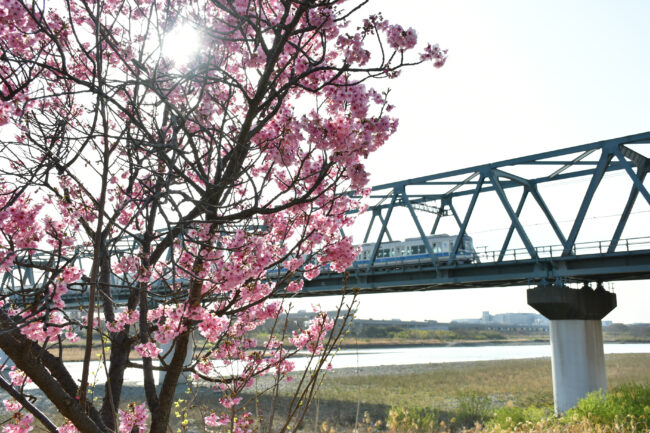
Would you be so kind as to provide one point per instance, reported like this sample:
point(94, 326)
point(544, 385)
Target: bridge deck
point(620, 266)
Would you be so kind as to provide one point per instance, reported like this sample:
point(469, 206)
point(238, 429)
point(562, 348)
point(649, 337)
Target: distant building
point(427, 325)
point(506, 321)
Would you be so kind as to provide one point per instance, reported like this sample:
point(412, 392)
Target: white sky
point(522, 77)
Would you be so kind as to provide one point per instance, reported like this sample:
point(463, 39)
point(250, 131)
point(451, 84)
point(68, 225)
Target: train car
point(413, 250)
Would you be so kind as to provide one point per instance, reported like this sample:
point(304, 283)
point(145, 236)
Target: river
point(440, 354)
point(351, 358)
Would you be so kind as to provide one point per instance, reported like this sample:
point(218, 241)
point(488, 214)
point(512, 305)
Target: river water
point(441, 354)
point(352, 358)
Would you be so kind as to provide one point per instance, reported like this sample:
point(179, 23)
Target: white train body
point(413, 250)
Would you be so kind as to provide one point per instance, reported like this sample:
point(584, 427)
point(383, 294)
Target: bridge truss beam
point(439, 194)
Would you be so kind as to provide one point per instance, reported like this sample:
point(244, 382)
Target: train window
point(445, 246)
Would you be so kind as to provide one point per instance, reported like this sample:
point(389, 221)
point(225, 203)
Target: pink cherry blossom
point(68, 427)
point(213, 420)
point(19, 423)
point(18, 377)
point(72, 337)
point(174, 199)
point(135, 417)
point(147, 350)
point(11, 405)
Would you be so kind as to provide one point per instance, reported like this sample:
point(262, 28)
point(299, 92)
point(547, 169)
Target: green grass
point(524, 382)
point(625, 409)
point(622, 401)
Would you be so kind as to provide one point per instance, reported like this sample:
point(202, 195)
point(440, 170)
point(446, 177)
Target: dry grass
point(434, 386)
point(525, 382)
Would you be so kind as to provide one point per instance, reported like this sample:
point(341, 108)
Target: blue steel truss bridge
point(558, 189)
point(547, 186)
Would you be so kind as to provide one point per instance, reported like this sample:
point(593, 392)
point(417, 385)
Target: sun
point(181, 44)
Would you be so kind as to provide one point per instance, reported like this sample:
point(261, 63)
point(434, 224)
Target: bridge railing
point(550, 251)
point(23, 278)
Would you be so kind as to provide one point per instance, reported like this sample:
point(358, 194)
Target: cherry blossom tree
point(173, 202)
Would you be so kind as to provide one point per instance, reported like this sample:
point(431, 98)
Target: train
point(413, 250)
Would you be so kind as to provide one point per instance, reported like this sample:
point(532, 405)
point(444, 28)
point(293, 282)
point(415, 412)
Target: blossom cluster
point(19, 423)
point(127, 317)
point(134, 418)
point(312, 338)
point(228, 181)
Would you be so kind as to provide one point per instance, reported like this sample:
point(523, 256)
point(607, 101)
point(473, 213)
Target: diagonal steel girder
point(561, 165)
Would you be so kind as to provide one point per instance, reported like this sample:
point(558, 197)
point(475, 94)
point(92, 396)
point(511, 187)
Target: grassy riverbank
point(447, 387)
point(472, 395)
point(454, 394)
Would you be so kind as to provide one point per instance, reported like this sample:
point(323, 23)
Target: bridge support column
point(578, 359)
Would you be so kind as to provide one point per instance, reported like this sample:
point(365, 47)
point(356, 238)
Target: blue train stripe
point(405, 258)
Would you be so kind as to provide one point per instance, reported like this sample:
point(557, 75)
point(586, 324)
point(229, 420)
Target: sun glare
point(181, 44)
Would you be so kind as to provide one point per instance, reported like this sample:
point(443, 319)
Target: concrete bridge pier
point(578, 359)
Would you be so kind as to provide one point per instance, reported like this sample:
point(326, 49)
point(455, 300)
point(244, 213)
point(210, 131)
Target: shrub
point(412, 420)
point(627, 400)
point(508, 417)
point(472, 407)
